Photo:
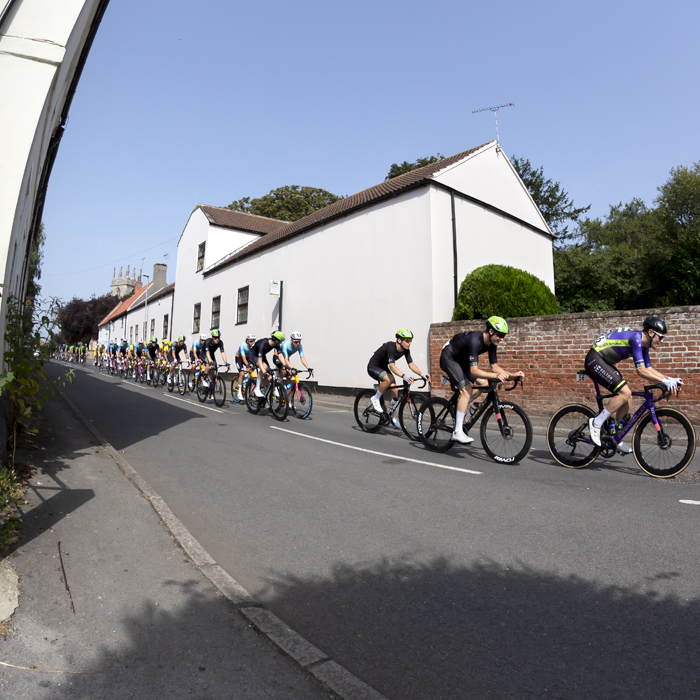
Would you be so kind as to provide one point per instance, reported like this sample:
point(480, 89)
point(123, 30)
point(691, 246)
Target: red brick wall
point(551, 349)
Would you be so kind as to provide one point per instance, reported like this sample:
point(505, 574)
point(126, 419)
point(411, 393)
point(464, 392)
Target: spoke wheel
point(234, 389)
point(367, 418)
point(182, 379)
point(509, 440)
point(252, 402)
point(202, 388)
point(667, 452)
point(408, 415)
point(568, 438)
point(436, 423)
point(302, 400)
point(219, 392)
point(277, 401)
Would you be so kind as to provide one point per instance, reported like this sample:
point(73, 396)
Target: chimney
point(159, 272)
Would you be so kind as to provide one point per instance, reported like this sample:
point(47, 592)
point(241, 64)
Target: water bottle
point(392, 405)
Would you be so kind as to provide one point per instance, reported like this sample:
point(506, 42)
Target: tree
point(553, 201)
point(78, 319)
point(399, 169)
point(288, 203)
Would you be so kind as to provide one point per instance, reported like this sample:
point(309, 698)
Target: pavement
point(113, 598)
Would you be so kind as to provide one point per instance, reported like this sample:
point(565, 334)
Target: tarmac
point(113, 598)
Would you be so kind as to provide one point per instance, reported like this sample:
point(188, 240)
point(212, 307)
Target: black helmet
point(655, 324)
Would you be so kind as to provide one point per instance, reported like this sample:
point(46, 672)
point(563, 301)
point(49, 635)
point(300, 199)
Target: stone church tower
point(121, 286)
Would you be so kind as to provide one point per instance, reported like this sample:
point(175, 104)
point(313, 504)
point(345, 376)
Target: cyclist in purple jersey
point(613, 347)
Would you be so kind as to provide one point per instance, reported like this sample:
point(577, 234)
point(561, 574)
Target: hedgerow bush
point(500, 290)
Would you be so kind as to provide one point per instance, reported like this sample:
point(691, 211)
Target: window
point(145, 329)
point(200, 257)
point(131, 335)
point(153, 327)
point(242, 310)
point(165, 326)
point(136, 333)
point(215, 311)
point(197, 316)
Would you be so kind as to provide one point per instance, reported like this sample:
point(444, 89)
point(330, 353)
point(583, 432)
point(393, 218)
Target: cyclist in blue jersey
point(244, 361)
point(286, 350)
point(197, 352)
point(613, 347)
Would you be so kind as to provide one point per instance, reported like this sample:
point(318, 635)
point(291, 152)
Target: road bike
point(298, 394)
point(273, 395)
point(178, 378)
point(139, 372)
point(505, 431)
point(248, 375)
point(212, 385)
point(663, 443)
point(409, 404)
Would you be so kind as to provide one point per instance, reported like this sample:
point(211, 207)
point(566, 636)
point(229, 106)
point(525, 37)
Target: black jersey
point(387, 354)
point(465, 349)
point(261, 349)
point(152, 349)
point(177, 349)
point(210, 347)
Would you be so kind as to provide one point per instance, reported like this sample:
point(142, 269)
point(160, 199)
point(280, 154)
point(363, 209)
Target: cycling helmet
point(277, 335)
point(215, 334)
point(404, 334)
point(154, 339)
point(181, 338)
point(203, 336)
point(295, 335)
point(655, 324)
point(497, 323)
point(250, 336)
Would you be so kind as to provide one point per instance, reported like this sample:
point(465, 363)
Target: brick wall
point(551, 349)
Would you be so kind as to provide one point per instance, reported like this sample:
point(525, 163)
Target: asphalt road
point(512, 582)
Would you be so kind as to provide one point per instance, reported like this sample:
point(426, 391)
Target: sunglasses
point(501, 335)
point(660, 337)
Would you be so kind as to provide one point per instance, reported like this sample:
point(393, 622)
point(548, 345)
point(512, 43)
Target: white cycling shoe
point(461, 437)
point(624, 449)
point(376, 405)
point(396, 422)
point(239, 396)
point(258, 393)
point(595, 432)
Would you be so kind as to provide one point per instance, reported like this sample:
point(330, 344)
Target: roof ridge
point(245, 213)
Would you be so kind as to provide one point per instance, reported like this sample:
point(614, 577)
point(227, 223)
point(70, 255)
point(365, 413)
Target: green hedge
point(499, 290)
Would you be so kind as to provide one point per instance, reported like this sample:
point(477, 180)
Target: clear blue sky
point(184, 102)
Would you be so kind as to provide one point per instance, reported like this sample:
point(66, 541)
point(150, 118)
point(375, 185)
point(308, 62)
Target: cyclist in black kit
point(460, 359)
point(258, 355)
point(382, 367)
point(211, 345)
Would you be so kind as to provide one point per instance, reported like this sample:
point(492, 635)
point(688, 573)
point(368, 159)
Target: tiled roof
point(343, 207)
point(164, 291)
point(228, 218)
point(123, 306)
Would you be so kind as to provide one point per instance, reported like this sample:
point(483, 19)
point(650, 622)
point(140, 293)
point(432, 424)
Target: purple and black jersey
point(621, 343)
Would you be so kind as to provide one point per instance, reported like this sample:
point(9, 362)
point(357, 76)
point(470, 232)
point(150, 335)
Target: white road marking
point(374, 452)
point(192, 403)
point(691, 503)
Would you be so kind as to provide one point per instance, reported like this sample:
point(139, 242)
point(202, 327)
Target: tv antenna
point(495, 116)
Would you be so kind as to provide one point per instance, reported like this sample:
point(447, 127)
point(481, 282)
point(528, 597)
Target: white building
point(389, 257)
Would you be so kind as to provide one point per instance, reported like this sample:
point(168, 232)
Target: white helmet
point(250, 336)
point(203, 336)
point(295, 335)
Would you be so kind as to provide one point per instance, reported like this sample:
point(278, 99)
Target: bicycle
point(178, 379)
point(248, 375)
point(273, 395)
point(409, 405)
point(213, 385)
point(298, 394)
point(139, 371)
point(663, 443)
point(505, 431)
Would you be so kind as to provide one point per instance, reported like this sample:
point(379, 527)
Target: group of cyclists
point(459, 360)
point(71, 353)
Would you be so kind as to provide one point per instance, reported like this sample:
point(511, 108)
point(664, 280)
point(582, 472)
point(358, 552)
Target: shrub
point(499, 290)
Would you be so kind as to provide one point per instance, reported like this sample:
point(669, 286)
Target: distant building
point(123, 286)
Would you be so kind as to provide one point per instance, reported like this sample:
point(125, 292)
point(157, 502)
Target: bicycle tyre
point(367, 418)
point(302, 401)
point(570, 423)
point(234, 389)
point(509, 443)
point(668, 452)
point(142, 376)
point(202, 390)
point(182, 381)
point(408, 415)
point(252, 402)
point(170, 381)
point(277, 401)
point(219, 391)
point(436, 421)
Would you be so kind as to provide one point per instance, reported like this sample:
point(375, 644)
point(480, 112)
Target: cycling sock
point(378, 395)
point(257, 384)
point(601, 418)
point(459, 421)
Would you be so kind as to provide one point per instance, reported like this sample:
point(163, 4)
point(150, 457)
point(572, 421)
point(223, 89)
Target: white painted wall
point(153, 316)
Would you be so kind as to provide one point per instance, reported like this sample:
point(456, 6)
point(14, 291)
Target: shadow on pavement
point(486, 631)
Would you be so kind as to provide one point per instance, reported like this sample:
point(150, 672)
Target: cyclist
point(382, 367)
point(244, 361)
point(137, 351)
point(259, 353)
point(210, 347)
point(459, 360)
point(197, 354)
point(174, 356)
point(123, 351)
point(617, 345)
point(286, 350)
point(153, 350)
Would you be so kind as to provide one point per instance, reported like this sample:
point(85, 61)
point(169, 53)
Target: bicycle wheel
point(234, 388)
point(252, 402)
point(203, 388)
point(277, 401)
point(509, 439)
point(667, 452)
point(142, 375)
point(408, 415)
point(219, 391)
point(435, 424)
point(568, 438)
point(302, 400)
point(164, 374)
point(181, 382)
point(367, 418)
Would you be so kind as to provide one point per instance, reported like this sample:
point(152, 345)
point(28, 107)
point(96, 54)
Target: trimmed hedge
point(499, 290)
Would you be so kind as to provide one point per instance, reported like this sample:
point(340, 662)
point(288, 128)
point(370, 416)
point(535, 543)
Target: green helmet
point(497, 323)
point(215, 334)
point(180, 338)
point(404, 333)
point(278, 335)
